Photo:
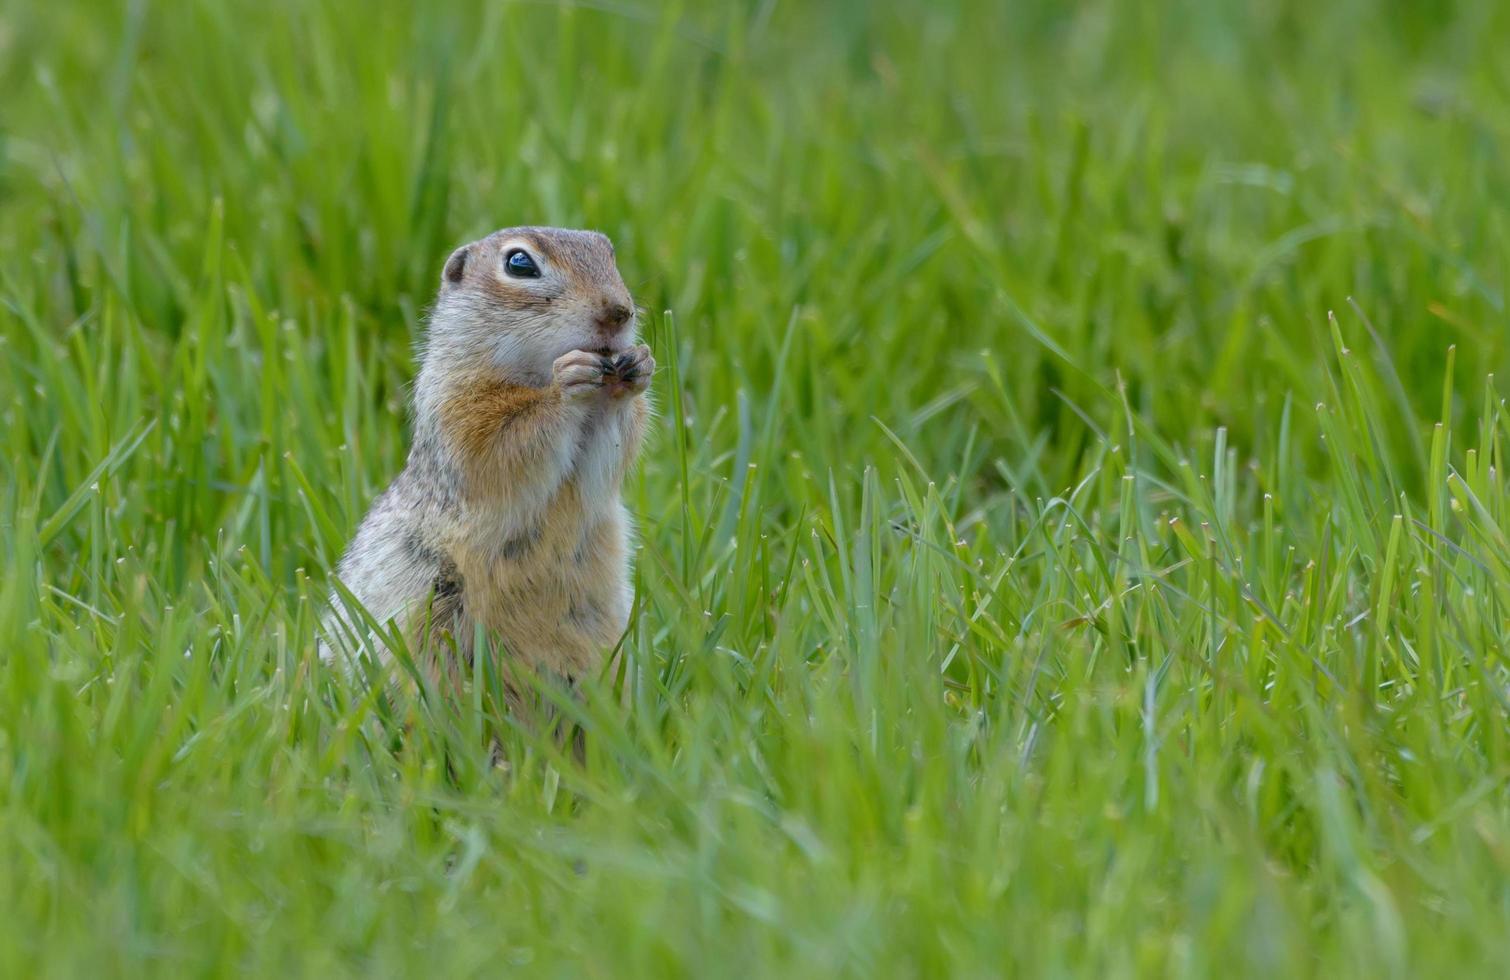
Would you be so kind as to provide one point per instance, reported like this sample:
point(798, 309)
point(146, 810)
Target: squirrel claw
point(632, 370)
point(580, 372)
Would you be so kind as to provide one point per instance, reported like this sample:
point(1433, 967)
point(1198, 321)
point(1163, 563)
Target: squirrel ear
point(456, 265)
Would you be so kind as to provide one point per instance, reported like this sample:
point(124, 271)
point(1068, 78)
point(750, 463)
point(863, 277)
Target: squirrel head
point(521, 297)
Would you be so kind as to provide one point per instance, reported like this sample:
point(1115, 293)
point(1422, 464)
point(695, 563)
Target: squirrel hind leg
point(398, 575)
point(435, 612)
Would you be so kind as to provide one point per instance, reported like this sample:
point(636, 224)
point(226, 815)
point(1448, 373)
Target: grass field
point(1075, 539)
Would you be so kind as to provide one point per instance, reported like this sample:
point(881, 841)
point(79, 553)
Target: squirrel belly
point(555, 595)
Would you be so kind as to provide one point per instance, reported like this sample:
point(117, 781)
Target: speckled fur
point(508, 513)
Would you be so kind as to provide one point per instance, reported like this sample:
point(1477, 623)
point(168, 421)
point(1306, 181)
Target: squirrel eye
point(520, 265)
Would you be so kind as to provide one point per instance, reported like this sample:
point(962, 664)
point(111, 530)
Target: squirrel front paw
point(579, 373)
point(631, 371)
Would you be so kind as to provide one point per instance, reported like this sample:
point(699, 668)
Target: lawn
point(1074, 541)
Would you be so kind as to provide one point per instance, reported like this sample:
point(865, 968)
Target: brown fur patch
point(480, 410)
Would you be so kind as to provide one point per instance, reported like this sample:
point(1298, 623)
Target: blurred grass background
point(1036, 577)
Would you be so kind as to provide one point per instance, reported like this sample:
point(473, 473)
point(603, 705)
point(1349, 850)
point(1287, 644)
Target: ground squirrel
point(529, 407)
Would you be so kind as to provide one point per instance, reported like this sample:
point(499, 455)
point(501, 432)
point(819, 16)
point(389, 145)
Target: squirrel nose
point(614, 315)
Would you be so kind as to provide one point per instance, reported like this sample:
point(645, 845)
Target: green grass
point(1075, 542)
